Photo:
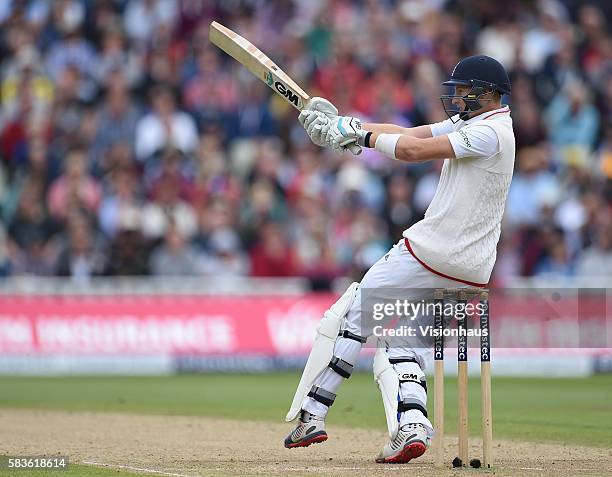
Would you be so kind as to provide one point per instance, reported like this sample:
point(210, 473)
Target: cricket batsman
point(453, 246)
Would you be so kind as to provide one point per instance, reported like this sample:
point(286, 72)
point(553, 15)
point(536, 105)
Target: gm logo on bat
point(282, 89)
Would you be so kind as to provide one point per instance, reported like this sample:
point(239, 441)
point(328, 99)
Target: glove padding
point(316, 117)
point(316, 124)
point(343, 132)
point(322, 105)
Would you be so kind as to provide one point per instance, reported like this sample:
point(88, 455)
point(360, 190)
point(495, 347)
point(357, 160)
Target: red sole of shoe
point(411, 451)
point(314, 440)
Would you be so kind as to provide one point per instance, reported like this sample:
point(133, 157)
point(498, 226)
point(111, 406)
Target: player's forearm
point(411, 149)
point(421, 132)
point(406, 148)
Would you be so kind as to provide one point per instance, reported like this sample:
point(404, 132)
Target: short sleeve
point(441, 128)
point(479, 140)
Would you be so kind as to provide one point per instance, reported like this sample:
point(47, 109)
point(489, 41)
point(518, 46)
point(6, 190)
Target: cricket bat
point(263, 67)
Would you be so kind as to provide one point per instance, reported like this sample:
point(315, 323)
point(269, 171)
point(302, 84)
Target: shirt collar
point(503, 109)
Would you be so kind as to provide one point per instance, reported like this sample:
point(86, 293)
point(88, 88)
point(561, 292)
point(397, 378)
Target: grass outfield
point(535, 409)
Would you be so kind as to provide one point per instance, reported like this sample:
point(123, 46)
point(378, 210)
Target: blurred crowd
point(129, 145)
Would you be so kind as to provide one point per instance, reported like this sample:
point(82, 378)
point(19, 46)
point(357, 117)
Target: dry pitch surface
point(200, 446)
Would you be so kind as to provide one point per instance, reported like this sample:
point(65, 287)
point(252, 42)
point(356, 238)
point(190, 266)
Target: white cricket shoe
point(412, 441)
point(310, 429)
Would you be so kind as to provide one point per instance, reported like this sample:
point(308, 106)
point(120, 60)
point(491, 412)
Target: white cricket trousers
point(396, 269)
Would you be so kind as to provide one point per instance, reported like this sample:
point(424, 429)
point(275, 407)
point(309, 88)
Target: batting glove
point(316, 119)
point(316, 125)
point(344, 133)
point(322, 105)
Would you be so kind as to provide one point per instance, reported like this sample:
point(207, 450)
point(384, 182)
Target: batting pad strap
point(341, 367)
point(421, 383)
point(352, 336)
point(403, 360)
point(386, 143)
point(321, 395)
point(408, 404)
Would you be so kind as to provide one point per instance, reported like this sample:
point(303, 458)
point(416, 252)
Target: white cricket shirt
point(458, 236)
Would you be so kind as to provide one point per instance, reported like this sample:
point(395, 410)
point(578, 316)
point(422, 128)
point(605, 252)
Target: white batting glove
point(322, 105)
point(344, 133)
point(315, 118)
point(316, 124)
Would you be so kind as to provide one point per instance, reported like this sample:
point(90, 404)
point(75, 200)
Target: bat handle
point(354, 148)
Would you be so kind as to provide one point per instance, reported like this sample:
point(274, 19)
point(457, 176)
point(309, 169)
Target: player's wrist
point(365, 139)
point(386, 144)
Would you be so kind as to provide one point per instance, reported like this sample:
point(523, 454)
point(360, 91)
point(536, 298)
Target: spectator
point(120, 201)
point(218, 214)
point(73, 51)
point(170, 174)
point(533, 187)
point(252, 117)
point(544, 37)
point(399, 211)
point(31, 247)
point(68, 111)
point(117, 121)
point(556, 263)
point(164, 126)
point(83, 257)
point(25, 86)
point(26, 97)
point(210, 92)
point(128, 251)
point(143, 17)
point(37, 171)
point(597, 259)
point(75, 189)
point(572, 120)
point(528, 128)
point(169, 192)
point(272, 255)
point(212, 175)
point(175, 257)
point(261, 205)
point(116, 59)
point(225, 257)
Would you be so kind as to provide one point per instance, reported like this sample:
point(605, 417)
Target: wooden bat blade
point(243, 51)
point(258, 63)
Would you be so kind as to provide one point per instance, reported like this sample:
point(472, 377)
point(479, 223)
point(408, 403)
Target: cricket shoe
point(412, 441)
point(310, 429)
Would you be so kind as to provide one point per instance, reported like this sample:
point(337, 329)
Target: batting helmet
point(480, 70)
point(482, 74)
